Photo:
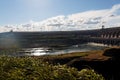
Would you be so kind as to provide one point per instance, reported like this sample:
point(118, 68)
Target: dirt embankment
point(105, 62)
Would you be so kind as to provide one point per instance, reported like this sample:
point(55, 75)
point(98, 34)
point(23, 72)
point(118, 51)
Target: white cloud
point(93, 19)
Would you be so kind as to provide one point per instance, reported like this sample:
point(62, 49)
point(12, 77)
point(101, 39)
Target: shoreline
point(105, 62)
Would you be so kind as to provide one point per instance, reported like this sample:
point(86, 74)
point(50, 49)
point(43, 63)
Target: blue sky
point(22, 11)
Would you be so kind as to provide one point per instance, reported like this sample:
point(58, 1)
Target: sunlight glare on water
point(38, 52)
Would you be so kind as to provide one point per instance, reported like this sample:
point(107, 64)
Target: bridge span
point(108, 36)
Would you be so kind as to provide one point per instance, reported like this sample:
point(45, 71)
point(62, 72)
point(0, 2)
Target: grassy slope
point(76, 56)
point(105, 62)
point(98, 60)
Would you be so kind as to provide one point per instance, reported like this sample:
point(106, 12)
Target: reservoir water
point(58, 50)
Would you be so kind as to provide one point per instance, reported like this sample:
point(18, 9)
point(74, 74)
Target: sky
point(23, 11)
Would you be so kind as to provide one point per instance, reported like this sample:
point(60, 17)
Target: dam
point(106, 36)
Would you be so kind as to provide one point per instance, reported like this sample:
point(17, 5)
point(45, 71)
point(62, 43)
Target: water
point(58, 50)
point(55, 50)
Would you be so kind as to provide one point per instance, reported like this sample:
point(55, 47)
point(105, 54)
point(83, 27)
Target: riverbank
point(105, 62)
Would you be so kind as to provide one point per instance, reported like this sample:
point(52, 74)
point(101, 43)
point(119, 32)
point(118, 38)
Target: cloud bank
point(93, 19)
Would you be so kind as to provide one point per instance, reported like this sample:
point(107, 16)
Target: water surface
point(58, 50)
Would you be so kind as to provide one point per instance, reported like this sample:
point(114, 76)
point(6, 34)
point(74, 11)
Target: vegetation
point(8, 51)
point(29, 68)
point(64, 56)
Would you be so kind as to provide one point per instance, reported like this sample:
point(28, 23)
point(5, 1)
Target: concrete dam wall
point(108, 36)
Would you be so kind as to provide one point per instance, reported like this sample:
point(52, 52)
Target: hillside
point(106, 62)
